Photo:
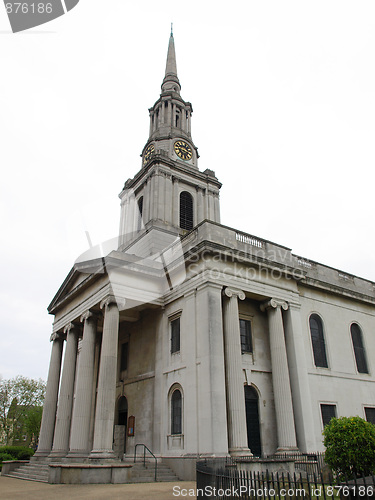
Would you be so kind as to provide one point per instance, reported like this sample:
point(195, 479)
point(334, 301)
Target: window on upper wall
point(175, 335)
point(328, 412)
point(176, 412)
point(186, 211)
point(245, 334)
point(370, 415)
point(140, 213)
point(124, 357)
point(318, 343)
point(359, 350)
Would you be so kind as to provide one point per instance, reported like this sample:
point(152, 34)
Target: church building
point(194, 338)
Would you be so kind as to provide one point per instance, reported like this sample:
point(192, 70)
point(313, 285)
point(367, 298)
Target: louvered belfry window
point(140, 213)
point(318, 343)
point(186, 211)
point(359, 350)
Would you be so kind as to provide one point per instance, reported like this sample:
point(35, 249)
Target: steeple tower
point(170, 118)
point(169, 191)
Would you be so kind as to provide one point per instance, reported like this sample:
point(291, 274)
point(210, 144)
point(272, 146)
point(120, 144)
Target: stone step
point(141, 473)
point(31, 473)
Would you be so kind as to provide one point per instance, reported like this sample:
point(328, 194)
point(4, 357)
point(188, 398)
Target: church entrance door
point(252, 420)
point(123, 415)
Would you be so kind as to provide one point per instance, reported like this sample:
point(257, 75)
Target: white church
point(196, 339)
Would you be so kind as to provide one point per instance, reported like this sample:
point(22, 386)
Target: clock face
point(148, 153)
point(183, 150)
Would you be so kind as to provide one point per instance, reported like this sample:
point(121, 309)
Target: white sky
point(283, 94)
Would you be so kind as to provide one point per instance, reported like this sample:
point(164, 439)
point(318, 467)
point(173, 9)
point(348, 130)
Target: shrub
point(350, 446)
point(17, 452)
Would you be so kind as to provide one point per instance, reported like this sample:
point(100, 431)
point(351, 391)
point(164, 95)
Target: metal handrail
point(144, 456)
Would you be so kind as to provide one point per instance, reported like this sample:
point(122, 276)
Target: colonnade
point(285, 402)
point(65, 428)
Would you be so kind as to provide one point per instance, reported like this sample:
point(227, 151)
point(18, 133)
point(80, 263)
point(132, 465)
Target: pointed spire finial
point(171, 81)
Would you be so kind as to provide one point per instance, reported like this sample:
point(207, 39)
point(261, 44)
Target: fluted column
point(303, 413)
point(79, 437)
point(50, 402)
point(65, 406)
point(237, 431)
point(105, 403)
point(286, 433)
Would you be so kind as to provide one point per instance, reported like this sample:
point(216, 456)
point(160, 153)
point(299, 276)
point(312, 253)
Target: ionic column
point(65, 406)
point(79, 437)
point(105, 403)
point(303, 414)
point(50, 402)
point(286, 433)
point(237, 431)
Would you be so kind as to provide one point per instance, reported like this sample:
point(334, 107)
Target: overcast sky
point(283, 94)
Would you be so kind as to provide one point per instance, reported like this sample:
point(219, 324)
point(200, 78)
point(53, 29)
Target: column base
point(79, 454)
point(240, 452)
point(42, 454)
point(102, 455)
point(58, 454)
point(287, 450)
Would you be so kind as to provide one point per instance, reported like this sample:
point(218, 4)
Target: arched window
point(140, 213)
point(359, 350)
point(176, 412)
point(317, 339)
point(186, 211)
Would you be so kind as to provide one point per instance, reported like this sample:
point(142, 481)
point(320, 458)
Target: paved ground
point(13, 489)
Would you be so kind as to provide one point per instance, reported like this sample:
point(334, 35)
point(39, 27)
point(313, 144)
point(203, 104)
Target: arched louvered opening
point(186, 211)
point(140, 213)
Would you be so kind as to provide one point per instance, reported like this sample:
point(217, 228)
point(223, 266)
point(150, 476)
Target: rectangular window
point(175, 335)
point(328, 412)
point(124, 356)
point(245, 333)
point(370, 415)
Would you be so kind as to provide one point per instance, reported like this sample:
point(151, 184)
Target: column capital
point(87, 315)
point(56, 336)
point(274, 304)
point(234, 292)
point(111, 299)
point(71, 326)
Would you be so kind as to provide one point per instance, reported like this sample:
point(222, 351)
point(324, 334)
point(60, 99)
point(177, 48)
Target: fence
point(227, 479)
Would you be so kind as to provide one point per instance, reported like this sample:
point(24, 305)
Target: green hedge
point(16, 452)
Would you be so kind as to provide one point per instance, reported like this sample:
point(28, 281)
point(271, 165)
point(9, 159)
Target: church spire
point(171, 81)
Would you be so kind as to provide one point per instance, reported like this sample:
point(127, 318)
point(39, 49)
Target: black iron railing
point(230, 478)
point(144, 456)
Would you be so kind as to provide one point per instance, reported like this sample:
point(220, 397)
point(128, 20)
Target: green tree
point(18, 396)
point(350, 446)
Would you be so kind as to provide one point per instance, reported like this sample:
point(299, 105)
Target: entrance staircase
point(146, 473)
point(140, 473)
point(31, 472)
